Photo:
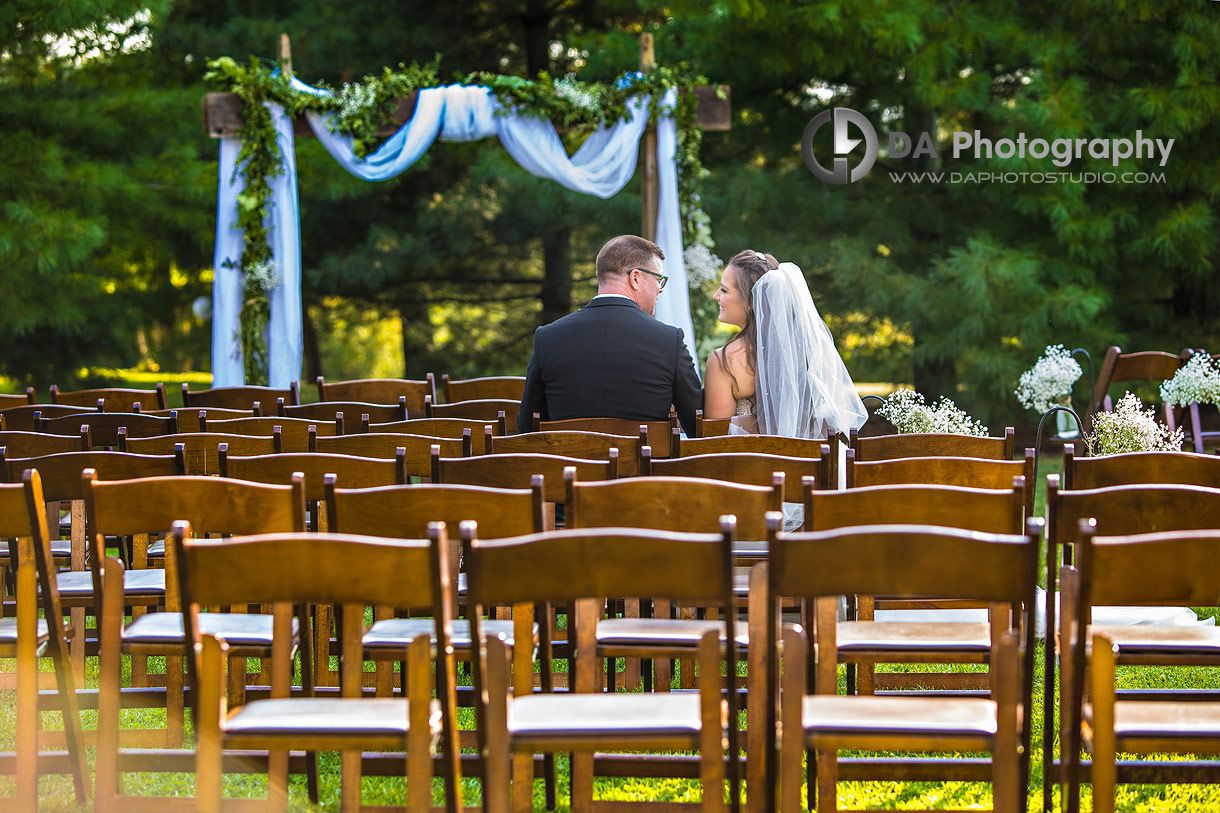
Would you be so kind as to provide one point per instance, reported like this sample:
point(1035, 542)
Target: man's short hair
point(621, 254)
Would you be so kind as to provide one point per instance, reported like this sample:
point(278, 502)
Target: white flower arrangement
point(908, 411)
point(1049, 381)
point(355, 98)
point(1131, 428)
point(701, 265)
point(263, 275)
point(1197, 382)
point(575, 94)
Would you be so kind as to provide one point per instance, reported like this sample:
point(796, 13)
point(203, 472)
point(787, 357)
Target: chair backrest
point(755, 444)
point(352, 412)
point(106, 427)
point(586, 445)
point(746, 468)
point(1169, 568)
point(975, 509)
point(1117, 367)
point(61, 473)
point(379, 391)
point(241, 397)
point(499, 410)
point(201, 450)
point(352, 472)
point(436, 427)
point(188, 417)
point(210, 504)
point(935, 444)
point(1183, 468)
point(116, 399)
point(671, 504)
point(972, 472)
point(706, 428)
point(294, 432)
point(16, 399)
point(417, 448)
point(33, 444)
point(516, 470)
point(1129, 509)
point(658, 434)
point(406, 510)
point(23, 418)
point(510, 387)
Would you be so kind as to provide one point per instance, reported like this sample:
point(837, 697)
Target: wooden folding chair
point(972, 472)
point(510, 387)
point(584, 445)
point(33, 444)
point(80, 588)
point(116, 399)
point(25, 637)
point(241, 397)
point(438, 427)
point(201, 450)
point(380, 391)
point(659, 434)
point(189, 417)
point(746, 468)
point(1183, 468)
point(585, 566)
point(351, 572)
point(294, 432)
point(104, 428)
point(911, 561)
point(753, 444)
point(936, 444)
point(16, 399)
point(1119, 367)
point(705, 428)
point(500, 410)
point(352, 413)
point(23, 418)
point(416, 448)
point(151, 507)
point(1118, 510)
point(1178, 567)
point(865, 642)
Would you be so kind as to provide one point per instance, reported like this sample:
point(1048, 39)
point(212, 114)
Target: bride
point(781, 374)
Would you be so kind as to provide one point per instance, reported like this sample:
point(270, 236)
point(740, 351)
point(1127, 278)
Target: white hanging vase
point(1065, 424)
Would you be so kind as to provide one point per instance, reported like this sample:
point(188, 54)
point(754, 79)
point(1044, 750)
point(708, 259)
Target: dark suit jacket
point(612, 360)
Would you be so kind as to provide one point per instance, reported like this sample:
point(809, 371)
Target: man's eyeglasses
point(663, 279)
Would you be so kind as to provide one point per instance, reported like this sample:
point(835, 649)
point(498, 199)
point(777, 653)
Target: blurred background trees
point(109, 181)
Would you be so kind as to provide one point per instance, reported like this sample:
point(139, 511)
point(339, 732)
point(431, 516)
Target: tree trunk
point(411, 315)
point(557, 285)
point(313, 353)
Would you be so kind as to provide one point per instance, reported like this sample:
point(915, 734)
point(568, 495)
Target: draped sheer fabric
point(802, 387)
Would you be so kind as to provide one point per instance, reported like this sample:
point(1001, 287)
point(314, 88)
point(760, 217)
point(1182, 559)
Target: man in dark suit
point(612, 358)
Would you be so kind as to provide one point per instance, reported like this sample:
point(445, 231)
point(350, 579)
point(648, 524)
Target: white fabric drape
point(602, 166)
point(285, 344)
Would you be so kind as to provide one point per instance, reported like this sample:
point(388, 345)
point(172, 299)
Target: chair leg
point(1104, 744)
point(711, 733)
point(792, 743)
point(27, 688)
point(496, 770)
point(175, 711)
point(208, 752)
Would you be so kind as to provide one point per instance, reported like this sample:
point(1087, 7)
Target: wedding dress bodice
point(745, 406)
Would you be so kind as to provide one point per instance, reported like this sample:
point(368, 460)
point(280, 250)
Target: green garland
point(363, 108)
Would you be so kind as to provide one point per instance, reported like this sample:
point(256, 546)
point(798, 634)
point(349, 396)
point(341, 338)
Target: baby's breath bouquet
point(909, 413)
point(1131, 428)
point(1196, 383)
point(1049, 381)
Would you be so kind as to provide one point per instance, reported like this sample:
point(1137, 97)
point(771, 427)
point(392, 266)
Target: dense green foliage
point(955, 287)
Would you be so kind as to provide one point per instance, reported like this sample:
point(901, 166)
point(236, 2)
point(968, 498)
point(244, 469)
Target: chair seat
point(914, 716)
point(76, 584)
point(661, 632)
point(595, 717)
point(246, 630)
point(396, 633)
point(1142, 719)
point(323, 717)
point(903, 636)
point(8, 632)
point(1142, 638)
point(156, 550)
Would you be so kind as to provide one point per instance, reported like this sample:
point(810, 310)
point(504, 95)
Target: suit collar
point(613, 299)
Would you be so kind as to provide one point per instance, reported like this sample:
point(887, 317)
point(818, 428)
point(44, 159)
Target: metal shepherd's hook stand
point(1041, 422)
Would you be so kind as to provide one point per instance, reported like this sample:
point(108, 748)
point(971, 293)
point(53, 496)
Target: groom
point(612, 358)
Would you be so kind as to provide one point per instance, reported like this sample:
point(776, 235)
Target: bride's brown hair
point(750, 265)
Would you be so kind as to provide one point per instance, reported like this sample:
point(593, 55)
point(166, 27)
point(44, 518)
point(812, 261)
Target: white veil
point(803, 388)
